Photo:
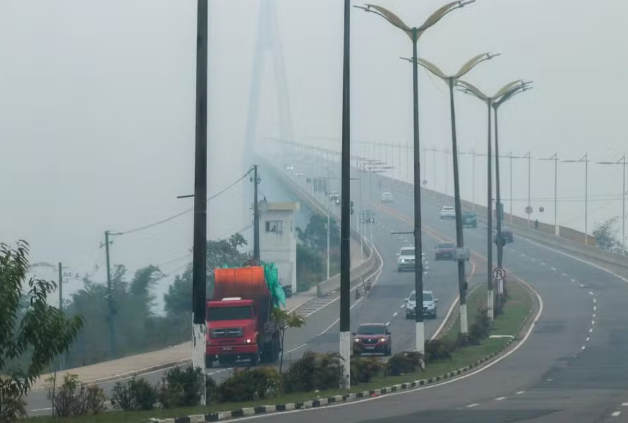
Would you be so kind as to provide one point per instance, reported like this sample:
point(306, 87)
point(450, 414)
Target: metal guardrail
point(358, 273)
point(532, 234)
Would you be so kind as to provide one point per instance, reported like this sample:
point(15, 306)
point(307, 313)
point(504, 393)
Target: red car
point(372, 338)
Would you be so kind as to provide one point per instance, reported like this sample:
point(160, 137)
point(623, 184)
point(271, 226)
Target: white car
point(387, 197)
point(447, 212)
point(430, 309)
point(406, 259)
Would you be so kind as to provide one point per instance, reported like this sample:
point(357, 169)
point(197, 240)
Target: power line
point(159, 222)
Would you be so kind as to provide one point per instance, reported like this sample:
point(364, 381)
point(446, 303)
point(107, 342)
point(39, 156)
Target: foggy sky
point(97, 108)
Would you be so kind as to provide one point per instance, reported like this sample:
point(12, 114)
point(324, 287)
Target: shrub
point(135, 394)
point(363, 369)
point(181, 388)
point(481, 328)
point(405, 362)
point(438, 350)
point(250, 385)
point(313, 371)
point(75, 398)
point(11, 407)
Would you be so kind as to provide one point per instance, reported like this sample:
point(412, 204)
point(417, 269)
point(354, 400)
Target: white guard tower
point(278, 239)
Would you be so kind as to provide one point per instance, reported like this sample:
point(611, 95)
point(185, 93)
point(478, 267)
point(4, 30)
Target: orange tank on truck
point(239, 322)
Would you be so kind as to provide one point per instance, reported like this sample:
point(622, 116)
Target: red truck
point(239, 322)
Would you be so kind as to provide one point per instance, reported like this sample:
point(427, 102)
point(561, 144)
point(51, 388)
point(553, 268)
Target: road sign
point(541, 209)
point(499, 274)
point(462, 254)
point(529, 210)
point(424, 182)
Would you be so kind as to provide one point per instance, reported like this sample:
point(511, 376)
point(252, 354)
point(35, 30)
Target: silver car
point(429, 305)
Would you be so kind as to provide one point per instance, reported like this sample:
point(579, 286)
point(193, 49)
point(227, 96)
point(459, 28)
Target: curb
point(322, 402)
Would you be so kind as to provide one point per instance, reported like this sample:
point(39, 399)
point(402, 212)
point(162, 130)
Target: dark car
point(470, 219)
point(366, 216)
point(372, 338)
point(444, 251)
point(507, 236)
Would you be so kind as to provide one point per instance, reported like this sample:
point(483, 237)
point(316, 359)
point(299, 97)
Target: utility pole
point(199, 258)
point(110, 300)
point(554, 158)
point(256, 215)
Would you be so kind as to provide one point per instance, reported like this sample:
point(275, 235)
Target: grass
point(516, 310)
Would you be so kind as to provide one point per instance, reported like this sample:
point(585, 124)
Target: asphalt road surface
point(571, 369)
point(321, 333)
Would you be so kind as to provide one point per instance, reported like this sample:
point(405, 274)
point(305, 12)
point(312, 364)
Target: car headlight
point(247, 341)
point(356, 340)
point(382, 339)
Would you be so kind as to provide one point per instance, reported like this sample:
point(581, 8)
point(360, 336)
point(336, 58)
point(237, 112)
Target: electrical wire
point(160, 222)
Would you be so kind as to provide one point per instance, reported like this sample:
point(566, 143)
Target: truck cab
point(231, 330)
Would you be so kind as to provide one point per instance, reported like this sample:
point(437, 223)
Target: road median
point(507, 333)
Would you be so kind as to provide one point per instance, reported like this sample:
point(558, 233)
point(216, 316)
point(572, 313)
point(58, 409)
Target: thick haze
point(97, 109)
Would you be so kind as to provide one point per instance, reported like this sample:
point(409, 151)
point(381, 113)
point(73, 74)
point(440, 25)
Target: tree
point(178, 299)
point(605, 234)
point(315, 234)
point(42, 329)
point(134, 320)
point(286, 320)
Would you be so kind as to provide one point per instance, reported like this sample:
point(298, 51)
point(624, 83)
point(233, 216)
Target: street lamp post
point(622, 162)
point(585, 160)
point(452, 80)
point(506, 90)
point(415, 33)
point(345, 214)
point(555, 159)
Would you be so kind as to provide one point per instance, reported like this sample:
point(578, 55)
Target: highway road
point(384, 303)
point(571, 368)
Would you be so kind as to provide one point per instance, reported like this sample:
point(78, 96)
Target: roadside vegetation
point(313, 376)
point(36, 338)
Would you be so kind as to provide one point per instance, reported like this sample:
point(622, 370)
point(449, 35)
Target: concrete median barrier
point(358, 273)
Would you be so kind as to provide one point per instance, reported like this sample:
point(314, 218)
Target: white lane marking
point(387, 323)
point(578, 259)
point(297, 348)
point(564, 274)
point(424, 387)
point(595, 300)
point(520, 392)
point(593, 315)
point(590, 330)
point(444, 322)
point(554, 269)
point(592, 322)
point(590, 293)
point(335, 322)
point(624, 404)
point(472, 405)
point(543, 263)
point(500, 399)
point(594, 308)
point(584, 348)
point(581, 286)
point(616, 414)
point(588, 338)
point(403, 305)
point(573, 280)
point(533, 259)
point(395, 314)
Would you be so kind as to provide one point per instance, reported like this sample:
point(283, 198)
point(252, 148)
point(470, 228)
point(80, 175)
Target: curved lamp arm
point(389, 16)
point(469, 88)
point(396, 21)
point(467, 67)
point(503, 90)
point(431, 67)
point(513, 92)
